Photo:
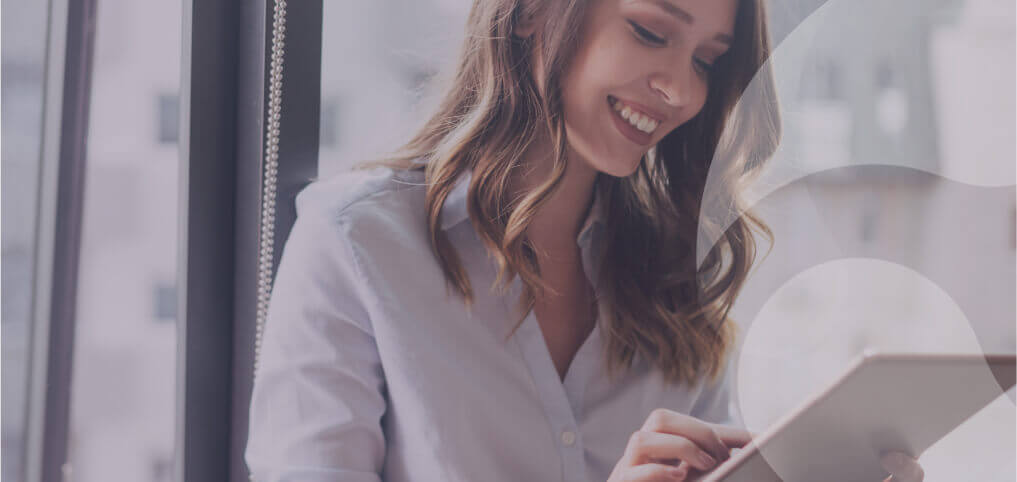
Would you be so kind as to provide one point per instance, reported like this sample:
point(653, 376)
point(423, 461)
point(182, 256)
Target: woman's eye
point(646, 35)
point(703, 66)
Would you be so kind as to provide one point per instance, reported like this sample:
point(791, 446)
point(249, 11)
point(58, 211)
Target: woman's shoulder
point(378, 217)
point(361, 195)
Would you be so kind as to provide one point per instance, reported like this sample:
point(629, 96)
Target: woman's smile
point(636, 125)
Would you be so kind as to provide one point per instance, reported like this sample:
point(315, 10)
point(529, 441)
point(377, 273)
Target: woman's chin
point(615, 168)
point(616, 161)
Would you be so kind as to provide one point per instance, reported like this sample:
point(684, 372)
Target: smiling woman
point(562, 173)
point(554, 115)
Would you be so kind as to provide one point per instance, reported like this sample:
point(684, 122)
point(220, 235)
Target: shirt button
point(568, 437)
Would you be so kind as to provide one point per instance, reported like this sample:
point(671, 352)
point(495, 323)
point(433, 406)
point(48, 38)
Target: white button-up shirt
point(370, 370)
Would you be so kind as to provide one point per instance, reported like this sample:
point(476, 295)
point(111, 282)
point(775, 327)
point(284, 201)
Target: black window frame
point(223, 135)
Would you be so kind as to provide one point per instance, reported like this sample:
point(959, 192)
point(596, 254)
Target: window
point(381, 76)
point(821, 80)
point(330, 122)
point(165, 301)
point(895, 178)
point(22, 59)
point(123, 378)
point(169, 115)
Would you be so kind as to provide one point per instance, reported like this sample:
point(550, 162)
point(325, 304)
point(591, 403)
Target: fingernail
point(706, 459)
point(678, 472)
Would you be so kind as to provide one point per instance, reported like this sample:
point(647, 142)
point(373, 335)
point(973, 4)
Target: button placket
point(552, 394)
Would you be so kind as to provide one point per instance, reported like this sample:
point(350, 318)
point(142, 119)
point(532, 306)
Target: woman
point(565, 170)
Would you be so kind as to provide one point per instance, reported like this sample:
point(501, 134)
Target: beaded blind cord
point(266, 248)
point(270, 176)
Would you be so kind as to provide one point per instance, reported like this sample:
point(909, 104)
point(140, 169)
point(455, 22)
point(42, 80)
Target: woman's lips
point(628, 130)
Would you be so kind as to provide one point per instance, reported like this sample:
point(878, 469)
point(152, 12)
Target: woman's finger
point(654, 473)
point(902, 467)
point(645, 446)
point(699, 432)
point(732, 437)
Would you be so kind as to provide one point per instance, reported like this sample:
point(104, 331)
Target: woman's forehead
point(709, 14)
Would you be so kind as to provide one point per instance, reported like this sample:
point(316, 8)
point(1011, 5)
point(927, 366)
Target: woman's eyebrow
point(675, 11)
point(683, 15)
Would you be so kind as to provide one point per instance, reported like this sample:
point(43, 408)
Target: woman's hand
point(671, 436)
point(902, 468)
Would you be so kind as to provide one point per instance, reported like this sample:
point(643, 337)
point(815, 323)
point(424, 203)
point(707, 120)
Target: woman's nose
point(672, 87)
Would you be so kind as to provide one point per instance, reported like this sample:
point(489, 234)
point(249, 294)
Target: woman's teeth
point(638, 120)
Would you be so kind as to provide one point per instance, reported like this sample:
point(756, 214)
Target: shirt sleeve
point(318, 396)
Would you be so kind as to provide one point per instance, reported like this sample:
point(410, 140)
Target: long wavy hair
point(660, 304)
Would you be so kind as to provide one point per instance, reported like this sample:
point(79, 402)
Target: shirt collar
point(456, 211)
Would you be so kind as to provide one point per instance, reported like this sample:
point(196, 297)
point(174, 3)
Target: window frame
point(222, 119)
point(70, 41)
point(223, 136)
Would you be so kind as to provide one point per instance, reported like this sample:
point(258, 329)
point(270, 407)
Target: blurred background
point(123, 381)
point(896, 176)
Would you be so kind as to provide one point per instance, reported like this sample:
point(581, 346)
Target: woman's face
point(641, 69)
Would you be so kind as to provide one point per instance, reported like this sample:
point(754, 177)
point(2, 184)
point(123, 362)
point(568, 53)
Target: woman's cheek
point(695, 105)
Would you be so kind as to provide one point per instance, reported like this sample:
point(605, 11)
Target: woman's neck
point(556, 225)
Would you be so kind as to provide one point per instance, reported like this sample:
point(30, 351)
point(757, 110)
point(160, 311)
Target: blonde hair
point(660, 304)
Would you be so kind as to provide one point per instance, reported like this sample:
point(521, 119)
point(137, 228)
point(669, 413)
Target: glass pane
point(123, 386)
point(895, 176)
point(23, 57)
point(376, 59)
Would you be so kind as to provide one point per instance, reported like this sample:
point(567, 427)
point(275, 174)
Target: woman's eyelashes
point(646, 36)
point(703, 66)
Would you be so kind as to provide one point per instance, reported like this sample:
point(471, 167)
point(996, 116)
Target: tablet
point(883, 402)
